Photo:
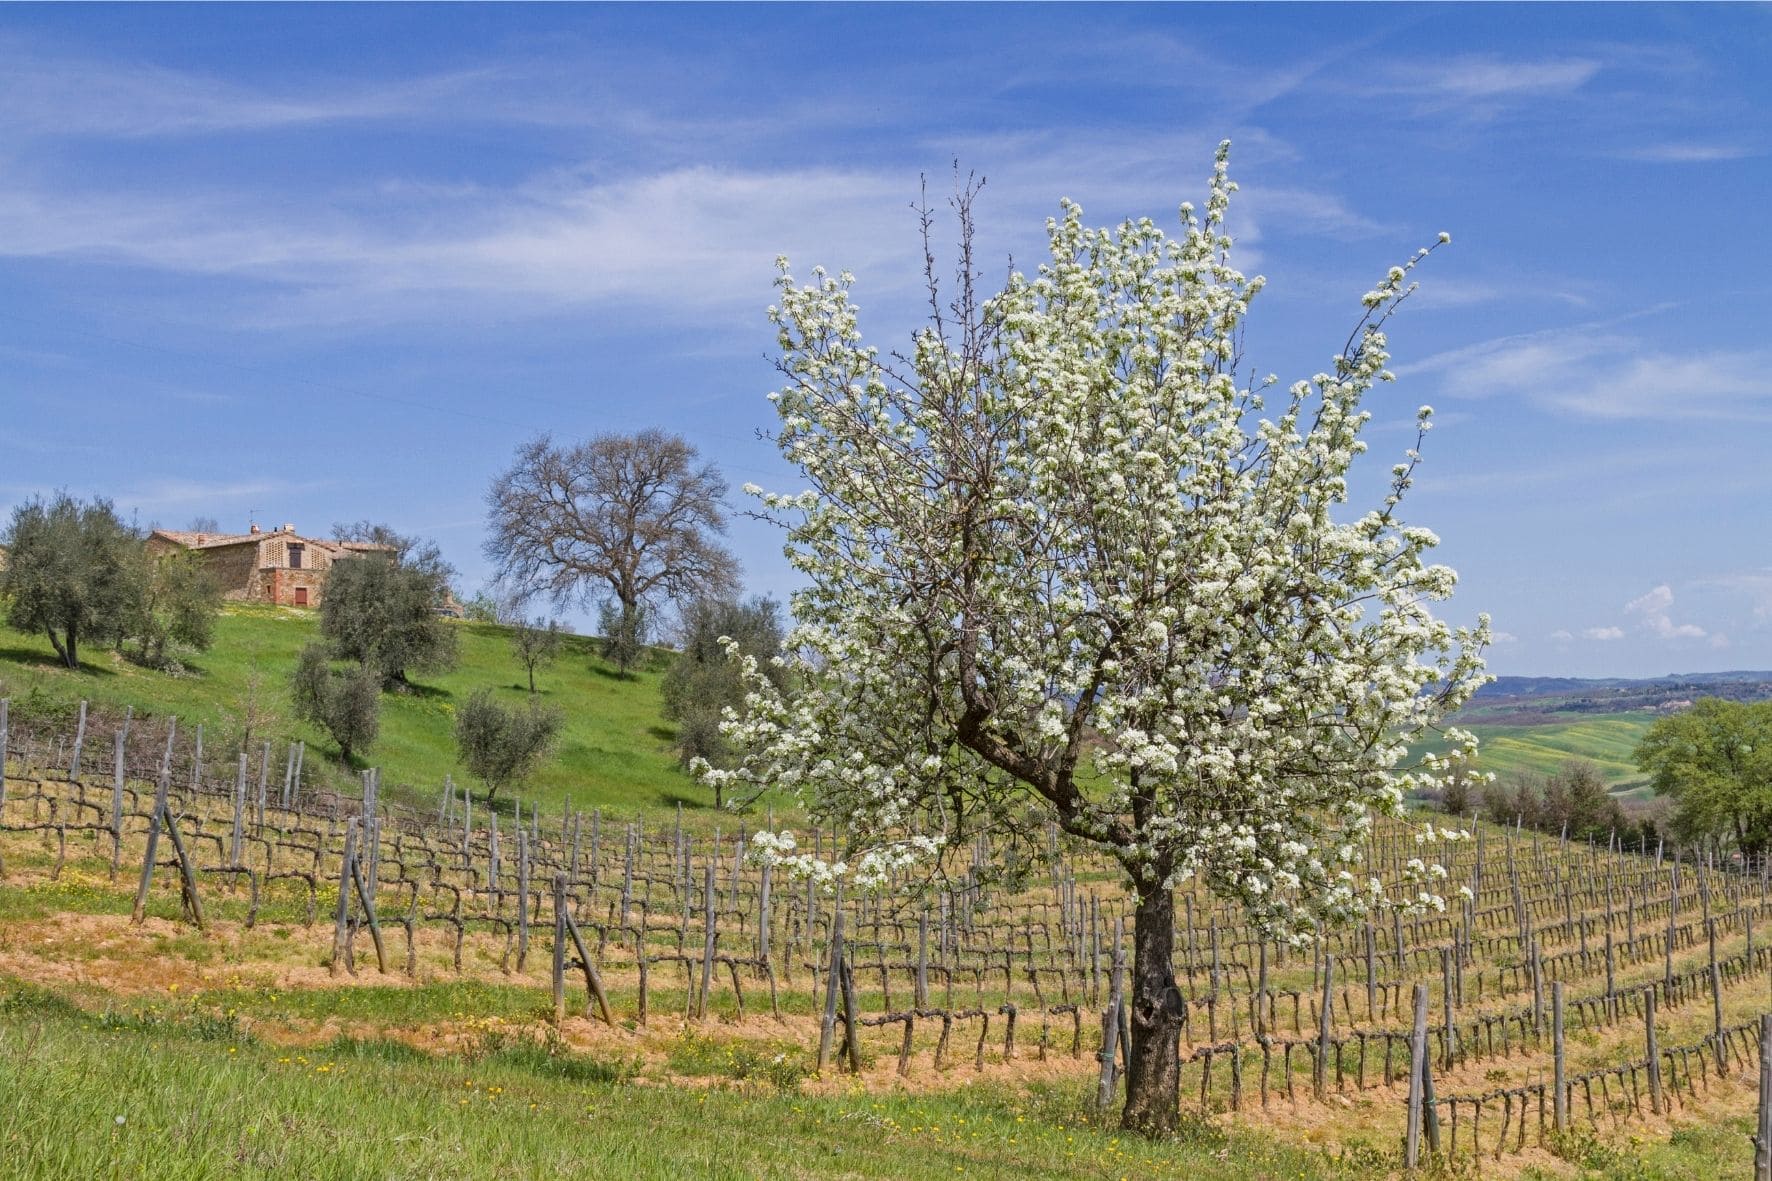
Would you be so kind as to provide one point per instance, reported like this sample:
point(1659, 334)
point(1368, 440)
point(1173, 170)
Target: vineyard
point(1576, 995)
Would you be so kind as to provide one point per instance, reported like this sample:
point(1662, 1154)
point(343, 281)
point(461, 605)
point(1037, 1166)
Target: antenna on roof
point(251, 517)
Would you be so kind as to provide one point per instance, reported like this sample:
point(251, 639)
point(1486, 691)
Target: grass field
point(119, 1094)
point(614, 753)
point(1607, 741)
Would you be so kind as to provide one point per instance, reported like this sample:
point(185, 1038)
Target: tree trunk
point(1153, 1075)
point(60, 652)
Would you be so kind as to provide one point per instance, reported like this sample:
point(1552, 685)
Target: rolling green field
point(614, 753)
point(1606, 741)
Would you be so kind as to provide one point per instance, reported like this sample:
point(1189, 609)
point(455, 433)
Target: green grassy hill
point(1605, 741)
point(614, 753)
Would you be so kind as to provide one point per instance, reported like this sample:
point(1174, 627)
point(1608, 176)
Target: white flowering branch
point(1064, 565)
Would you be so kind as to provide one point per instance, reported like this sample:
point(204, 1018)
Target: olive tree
point(380, 612)
point(180, 601)
point(73, 572)
point(621, 633)
point(1065, 564)
point(702, 683)
point(500, 744)
point(345, 704)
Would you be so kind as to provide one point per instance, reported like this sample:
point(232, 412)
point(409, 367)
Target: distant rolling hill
point(1532, 725)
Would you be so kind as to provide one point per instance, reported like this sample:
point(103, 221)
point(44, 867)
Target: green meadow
point(614, 752)
point(1607, 741)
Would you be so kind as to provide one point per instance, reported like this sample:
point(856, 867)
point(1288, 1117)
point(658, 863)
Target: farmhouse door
point(301, 596)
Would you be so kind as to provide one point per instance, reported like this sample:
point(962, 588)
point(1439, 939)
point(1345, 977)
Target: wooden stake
point(1560, 1099)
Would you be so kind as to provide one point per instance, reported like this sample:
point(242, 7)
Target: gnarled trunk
point(1153, 1075)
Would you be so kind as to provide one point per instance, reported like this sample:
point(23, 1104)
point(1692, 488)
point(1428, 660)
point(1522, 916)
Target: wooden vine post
point(1109, 1082)
point(1560, 1099)
point(827, 1024)
point(559, 972)
point(1656, 1103)
point(1325, 1027)
point(1418, 1071)
point(1763, 1134)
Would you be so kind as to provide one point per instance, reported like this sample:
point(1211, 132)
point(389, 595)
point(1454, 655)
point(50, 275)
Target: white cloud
point(46, 93)
point(1480, 86)
point(1652, 609)
point(1690, 153)
point(1602, 633)
point(1501, 637)
point(1656, 602)
point(1474, 76)
point(1594, 371)
point(1562, 635)
point(696, 236)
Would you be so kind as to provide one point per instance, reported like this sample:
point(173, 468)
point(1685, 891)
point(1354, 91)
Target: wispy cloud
point(1755, 585)
point(696, 237)
point(1602, 633)
point(1477, 76)
point(178, 494)
point(45, 93)
point(1477, 87)
point(1690, 153)
point(700, 237)
point(1595, 371)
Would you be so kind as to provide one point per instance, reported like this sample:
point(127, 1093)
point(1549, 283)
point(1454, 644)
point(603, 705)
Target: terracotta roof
point(213, 541)
point(191, 539)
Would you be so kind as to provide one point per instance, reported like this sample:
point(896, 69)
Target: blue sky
point(337, 262)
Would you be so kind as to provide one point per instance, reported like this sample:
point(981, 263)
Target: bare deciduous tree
point(632, 517)
point(535, 642)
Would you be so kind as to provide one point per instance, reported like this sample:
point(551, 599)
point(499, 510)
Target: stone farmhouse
point(281, 567)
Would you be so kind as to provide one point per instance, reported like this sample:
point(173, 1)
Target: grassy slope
point(178, 1096)
point(1605, 740)
point(614, 753)
point(120, 1095)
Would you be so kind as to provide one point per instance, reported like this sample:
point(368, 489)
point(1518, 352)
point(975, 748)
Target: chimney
point(289, 528)
point(254, 529)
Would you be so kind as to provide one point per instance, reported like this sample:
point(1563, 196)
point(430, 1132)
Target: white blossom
point(1064, 565)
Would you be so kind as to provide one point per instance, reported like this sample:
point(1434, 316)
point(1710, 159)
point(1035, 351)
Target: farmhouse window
point(295, 553)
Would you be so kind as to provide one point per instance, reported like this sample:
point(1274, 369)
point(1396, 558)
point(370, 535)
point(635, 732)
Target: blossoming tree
point(1065, 566)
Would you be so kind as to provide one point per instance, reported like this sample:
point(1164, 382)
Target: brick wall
point(281, 586)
